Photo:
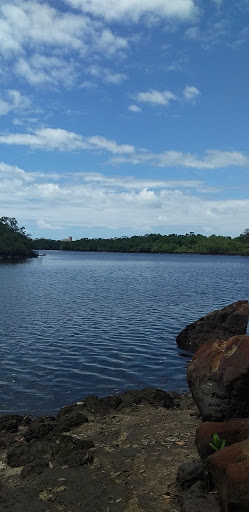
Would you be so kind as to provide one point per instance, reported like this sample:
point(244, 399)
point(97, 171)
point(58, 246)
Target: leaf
point(213, 446)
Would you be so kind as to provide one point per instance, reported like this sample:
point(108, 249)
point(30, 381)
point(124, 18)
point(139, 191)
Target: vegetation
point(14, 242)
point(217, 443)
point(155, 243)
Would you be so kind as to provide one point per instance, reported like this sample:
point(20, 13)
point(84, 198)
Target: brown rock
point(219, 325)
point(232, 431)
point(218, 377)
point(229, 469)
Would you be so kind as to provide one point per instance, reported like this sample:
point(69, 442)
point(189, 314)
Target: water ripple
point(80, 323)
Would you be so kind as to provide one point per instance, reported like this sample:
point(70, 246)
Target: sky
point(124, 117)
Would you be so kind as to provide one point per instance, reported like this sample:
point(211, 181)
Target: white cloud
point(193, 33)
point(13, 101)
point(42, 224)
point(212, 159)
point(133, 10)
point(106, 75)
point(92, 200)
point(40, 69)
point(37, 38)
point(214, 34)
point(156, 97)
point(63, 140)
point(190, 93)
point(134, 108)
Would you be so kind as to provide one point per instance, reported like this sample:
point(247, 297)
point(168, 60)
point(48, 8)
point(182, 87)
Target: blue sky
point(121, 118)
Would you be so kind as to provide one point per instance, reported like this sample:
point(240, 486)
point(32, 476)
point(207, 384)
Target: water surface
point(79, 323)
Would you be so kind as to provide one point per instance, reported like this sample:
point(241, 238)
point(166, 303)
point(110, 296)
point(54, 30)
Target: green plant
point(217, 443)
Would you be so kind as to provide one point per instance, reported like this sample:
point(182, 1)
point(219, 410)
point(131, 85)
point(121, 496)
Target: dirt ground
point(101, 459)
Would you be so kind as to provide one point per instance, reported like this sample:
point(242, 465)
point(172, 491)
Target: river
point(76, 323)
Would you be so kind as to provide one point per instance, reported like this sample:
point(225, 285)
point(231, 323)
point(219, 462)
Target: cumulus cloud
point(133, 10)
point(156, 97)
point(190, 93)
point(164, 98)
point(92, 200)
point(134, 108)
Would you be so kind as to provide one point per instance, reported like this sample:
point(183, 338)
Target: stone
point(190, 473)
point(10, 422)
point(229, 469)
point(68, 421)
point(218, 377)
point(64, 449)
point(233, 431)
point(197, 499)
point(221, 324)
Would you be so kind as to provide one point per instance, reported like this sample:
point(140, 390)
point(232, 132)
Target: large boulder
point(232, 431)
point(229, 469)
point(218, 377)
point(221, 324)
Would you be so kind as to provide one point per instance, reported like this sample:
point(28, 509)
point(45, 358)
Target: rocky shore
point(144, 450)
point(115, 454)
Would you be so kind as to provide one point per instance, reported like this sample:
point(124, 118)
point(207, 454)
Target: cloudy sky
point(124, 117)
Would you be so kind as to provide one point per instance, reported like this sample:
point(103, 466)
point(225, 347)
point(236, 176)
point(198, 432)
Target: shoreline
point(117, 454)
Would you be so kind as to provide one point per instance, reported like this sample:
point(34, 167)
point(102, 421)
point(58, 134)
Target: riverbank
point(99, 455)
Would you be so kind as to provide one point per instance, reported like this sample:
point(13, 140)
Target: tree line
point(14, 241)
point(154, 243)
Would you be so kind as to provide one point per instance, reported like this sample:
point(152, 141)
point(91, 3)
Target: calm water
point(80, 323)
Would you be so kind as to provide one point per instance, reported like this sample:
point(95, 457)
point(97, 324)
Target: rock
point(68, 421)
point(39, 428)
point(198, 499)
point(10, 422)
point(218, 377)
point(34, 468)
point(221, 324)
point(232, 431)
point(64, 449)
point(151, 396)
point(190, 473)
point(95, 405)
point(229, 469)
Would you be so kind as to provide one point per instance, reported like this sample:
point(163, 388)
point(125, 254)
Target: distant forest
point(154, 243)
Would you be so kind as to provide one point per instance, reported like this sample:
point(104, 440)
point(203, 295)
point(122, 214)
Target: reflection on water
point(80, 323)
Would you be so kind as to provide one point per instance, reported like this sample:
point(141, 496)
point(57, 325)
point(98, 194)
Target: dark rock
point(152, 396)
point(72, 451)
point(218, 377)
point(190, 473)
point(63, 449)
point(10, 422)
point(197, 499)
point(229, 469)
point(39, 428)
point(68, 421)
point(34, 468)
point(111, 401)
point(219, 325)
point(95, 405)
point(232, 431)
